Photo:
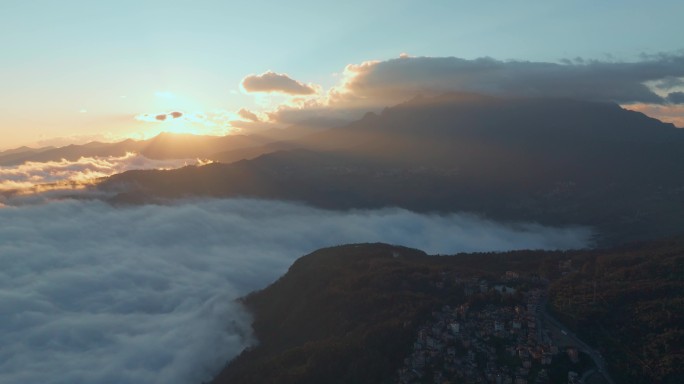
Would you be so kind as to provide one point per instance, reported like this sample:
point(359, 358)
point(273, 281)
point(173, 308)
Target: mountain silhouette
point(553, 161)
point(162, 147)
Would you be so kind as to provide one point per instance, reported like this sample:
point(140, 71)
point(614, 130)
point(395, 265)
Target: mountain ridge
point(163, 146)
point(556, 162)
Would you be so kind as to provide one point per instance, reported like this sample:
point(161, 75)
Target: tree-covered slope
point(349, 314)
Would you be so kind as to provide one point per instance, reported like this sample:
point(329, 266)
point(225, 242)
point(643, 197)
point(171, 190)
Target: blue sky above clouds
point(82, 70)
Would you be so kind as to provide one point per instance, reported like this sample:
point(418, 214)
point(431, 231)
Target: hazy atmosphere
point(146, 294)
point(220, 193)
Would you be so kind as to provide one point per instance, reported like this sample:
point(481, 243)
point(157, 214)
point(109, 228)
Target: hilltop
point(352, 314)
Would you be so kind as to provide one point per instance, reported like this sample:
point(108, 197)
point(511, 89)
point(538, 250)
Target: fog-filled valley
point(92, 293)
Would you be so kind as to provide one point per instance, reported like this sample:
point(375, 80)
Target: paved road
point(586, 375)
point(595, 355)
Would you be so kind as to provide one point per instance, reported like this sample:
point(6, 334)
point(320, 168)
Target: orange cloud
point(271, 82)
point(248, 115)
point(159, 117)
point(668, 113)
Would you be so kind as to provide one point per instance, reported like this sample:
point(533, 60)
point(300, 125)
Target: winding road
point(567, 333)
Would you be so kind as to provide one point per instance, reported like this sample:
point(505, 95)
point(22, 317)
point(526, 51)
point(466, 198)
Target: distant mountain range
point(553, 161)
point(163, 146)
point(348, 314)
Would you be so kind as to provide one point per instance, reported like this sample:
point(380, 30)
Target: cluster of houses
point(493, 342)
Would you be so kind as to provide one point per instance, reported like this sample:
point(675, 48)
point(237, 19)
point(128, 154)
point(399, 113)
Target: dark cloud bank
point(623, 82)
point(90, 293)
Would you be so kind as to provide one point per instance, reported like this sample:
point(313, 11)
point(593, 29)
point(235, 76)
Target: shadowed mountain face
point(350, 314)
point(557, 162)
point(461, 129)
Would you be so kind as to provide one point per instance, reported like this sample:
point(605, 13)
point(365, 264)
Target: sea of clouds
point(65, 174)
point(91, 293)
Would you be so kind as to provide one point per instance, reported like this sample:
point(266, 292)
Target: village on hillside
point(499, 335)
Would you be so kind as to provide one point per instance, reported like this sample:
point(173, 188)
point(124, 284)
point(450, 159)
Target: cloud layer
point(94, 294)
point(669, 113)
point(371, 85)
point(622, 82)
point(64, 174)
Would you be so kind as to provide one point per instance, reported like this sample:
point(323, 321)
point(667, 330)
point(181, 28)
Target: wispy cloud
point(95, 294)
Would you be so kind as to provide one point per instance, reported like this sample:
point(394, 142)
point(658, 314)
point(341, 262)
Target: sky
point(78, 70)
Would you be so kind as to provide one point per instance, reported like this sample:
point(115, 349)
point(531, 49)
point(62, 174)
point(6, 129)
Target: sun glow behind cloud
point(653, 85)
point(191, 121)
